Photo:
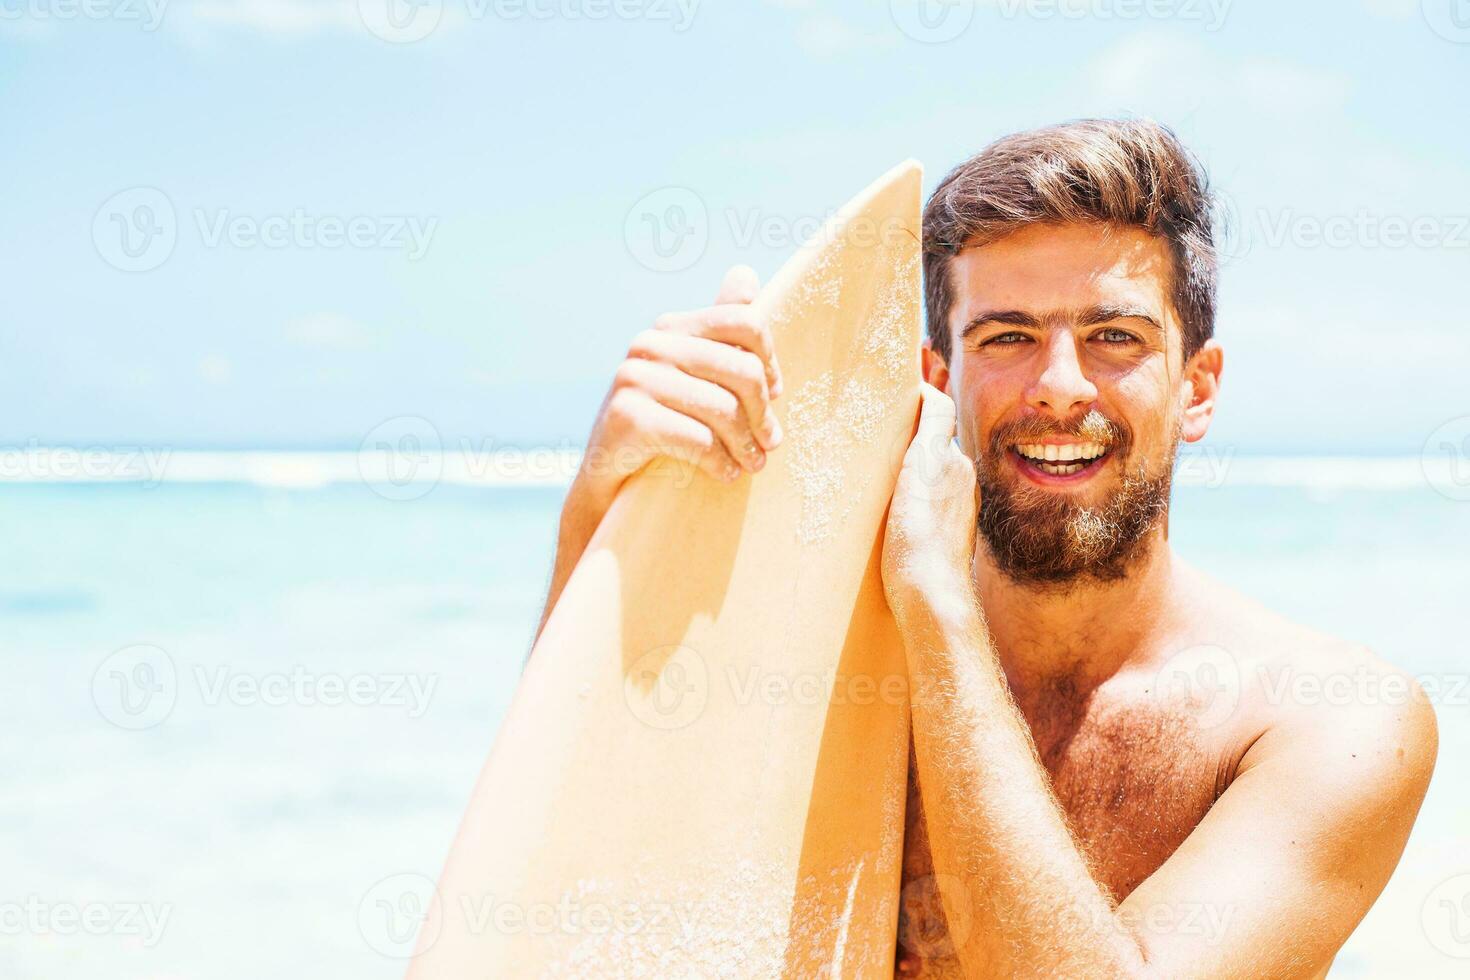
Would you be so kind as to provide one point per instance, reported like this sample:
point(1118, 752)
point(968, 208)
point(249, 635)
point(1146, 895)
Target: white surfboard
point(703, 770)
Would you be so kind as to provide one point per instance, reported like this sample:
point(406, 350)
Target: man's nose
point(1062, 388)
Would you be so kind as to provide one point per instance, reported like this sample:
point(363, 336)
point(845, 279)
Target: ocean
point(246, 697)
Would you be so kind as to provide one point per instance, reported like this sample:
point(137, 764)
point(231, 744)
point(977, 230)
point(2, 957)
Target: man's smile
point(1054, 462)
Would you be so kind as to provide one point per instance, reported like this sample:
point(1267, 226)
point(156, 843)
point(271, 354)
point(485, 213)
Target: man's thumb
point(741, 285)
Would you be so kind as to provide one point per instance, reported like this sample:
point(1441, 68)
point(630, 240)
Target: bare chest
point(1132, 782)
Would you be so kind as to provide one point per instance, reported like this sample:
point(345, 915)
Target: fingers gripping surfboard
point(703, 770)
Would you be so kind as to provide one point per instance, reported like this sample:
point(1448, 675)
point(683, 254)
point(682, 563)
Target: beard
point(1040, 537)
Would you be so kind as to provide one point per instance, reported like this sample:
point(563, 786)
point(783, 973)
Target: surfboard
point(703, 770)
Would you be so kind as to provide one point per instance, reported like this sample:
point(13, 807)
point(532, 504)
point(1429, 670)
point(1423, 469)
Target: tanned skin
point(1074, 811)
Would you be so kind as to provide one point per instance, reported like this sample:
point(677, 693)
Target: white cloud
point(27, 29)
point(1392, 9)
point(216, 369)
point(280, 18)
point(1284, 86)
point(200, 21)
point(825, 36)
point(1167, 74)
point(329, 331)
point(1140, 63)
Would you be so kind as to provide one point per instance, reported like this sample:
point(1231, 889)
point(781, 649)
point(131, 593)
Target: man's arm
point(1271, 882)
point(585, 505)
point(1273, 879)
point(697, 386)
point(1299, 847)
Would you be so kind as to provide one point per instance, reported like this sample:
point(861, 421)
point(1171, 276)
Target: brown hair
point(1125, 172)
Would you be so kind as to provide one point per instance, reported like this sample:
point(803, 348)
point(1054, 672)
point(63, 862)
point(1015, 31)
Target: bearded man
point(1102, 783)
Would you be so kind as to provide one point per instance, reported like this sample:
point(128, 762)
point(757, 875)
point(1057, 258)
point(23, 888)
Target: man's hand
point(696, 386)
point(929, 543)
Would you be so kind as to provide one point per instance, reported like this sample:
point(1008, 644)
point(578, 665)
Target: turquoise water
point(249, 817)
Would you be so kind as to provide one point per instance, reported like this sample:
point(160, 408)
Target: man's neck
point(1081, 633)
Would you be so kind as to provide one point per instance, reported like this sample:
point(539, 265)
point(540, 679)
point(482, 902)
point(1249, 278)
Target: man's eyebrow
point(1089, 317)
point(1010, 318)
point(1105, 314)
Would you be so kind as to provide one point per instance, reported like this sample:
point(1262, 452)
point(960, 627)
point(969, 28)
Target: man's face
point(1072, 394)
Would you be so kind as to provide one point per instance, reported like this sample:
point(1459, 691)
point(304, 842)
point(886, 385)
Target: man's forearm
point(581, 513)
point(1017, 892)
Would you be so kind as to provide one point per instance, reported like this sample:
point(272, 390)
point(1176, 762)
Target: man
point(1107, 778)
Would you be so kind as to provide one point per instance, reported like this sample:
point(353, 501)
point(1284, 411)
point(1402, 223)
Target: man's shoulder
point(1307, 687)
point(1268, 645)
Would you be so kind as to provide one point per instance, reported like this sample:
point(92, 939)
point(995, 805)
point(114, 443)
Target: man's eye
point(1009, 337)
point(1113, 335)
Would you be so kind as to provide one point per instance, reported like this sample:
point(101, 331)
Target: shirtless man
point(1124, 770)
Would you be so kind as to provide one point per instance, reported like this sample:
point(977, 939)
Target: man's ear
point(936, 371)
point(1201, 389)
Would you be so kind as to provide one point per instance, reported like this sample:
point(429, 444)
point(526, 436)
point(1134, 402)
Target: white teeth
point(1064, 459)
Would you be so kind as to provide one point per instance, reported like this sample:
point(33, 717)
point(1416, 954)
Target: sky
point(283, 223)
